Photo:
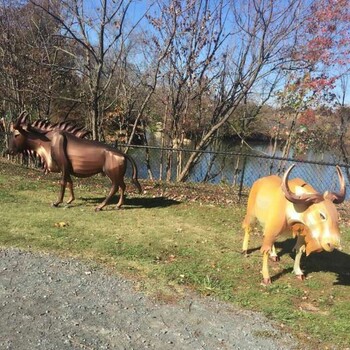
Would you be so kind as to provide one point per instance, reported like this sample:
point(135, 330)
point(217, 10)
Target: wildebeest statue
point(63, 148)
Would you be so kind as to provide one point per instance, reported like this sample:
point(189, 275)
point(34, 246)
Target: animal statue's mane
point(45, 126)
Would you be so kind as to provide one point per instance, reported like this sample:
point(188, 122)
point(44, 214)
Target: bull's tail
point(134, 179)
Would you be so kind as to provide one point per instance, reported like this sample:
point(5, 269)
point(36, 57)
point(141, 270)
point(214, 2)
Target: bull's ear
point(330, 196)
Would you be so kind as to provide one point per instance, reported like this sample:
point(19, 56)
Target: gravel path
point(52, 303)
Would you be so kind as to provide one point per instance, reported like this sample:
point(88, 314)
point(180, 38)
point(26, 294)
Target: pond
point(227, 162)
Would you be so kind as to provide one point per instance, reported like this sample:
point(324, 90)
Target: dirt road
point(52, 303)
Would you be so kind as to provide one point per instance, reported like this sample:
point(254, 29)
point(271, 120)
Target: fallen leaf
point(61, 224)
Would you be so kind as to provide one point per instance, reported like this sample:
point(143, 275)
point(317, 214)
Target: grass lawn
point(170, 246)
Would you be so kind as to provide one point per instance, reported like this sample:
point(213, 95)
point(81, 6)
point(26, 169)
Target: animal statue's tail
point(134, 179)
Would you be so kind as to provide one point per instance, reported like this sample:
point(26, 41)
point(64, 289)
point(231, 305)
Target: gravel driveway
point(53, 303)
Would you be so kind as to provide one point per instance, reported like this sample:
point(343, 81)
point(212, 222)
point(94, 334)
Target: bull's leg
point(265, 269)
point(300, 249)
point(268, 246)
point(247, 230)
point(111, 193)
point(247, 225)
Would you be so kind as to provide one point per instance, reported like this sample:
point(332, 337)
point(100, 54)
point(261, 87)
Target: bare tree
point(344, 116)
point(98, 33)
point(195, 31)
point(29, 71)
point(344, 84)
point(222, 51)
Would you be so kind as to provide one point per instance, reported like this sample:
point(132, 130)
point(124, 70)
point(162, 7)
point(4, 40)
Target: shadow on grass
point(252, 250)
point(131, 203)
point(337, 262)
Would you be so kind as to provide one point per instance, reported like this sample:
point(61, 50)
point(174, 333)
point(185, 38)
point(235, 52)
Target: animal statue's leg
point(111, 193)
point(71, 198)
point(61, 194)
point(59, 154)
point(114, 168)
point(122, 195)
point(300, 249)
point(265, 269)
point(65, 179)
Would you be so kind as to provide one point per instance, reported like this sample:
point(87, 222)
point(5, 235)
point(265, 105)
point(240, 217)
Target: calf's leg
point(273, 254)
point(300, 249)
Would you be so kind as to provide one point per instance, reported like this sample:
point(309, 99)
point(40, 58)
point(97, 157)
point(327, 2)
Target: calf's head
point(317, 212)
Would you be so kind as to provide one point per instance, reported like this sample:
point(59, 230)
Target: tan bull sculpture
point(281, 205)
point(64, 149)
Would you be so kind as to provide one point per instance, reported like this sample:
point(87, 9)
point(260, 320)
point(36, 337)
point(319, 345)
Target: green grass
point(171, 246)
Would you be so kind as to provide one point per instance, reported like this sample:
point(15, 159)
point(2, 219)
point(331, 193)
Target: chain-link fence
point(237, 169)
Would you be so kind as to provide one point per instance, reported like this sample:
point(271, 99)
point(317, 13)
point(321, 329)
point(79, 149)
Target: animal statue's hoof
point(301, 277)
point(98, 209)
point(266, 282)
point(275, 258)
point(55, 205)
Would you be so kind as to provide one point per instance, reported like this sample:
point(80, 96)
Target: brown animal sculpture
point(64, 150)
point(43, 127)
point(281, 205)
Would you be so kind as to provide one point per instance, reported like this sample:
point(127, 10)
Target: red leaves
point(328, 32)
point(308, 117)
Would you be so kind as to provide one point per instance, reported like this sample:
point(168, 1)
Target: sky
point(139, 7)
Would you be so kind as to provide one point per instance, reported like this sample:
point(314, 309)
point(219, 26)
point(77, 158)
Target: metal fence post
point(242, 180)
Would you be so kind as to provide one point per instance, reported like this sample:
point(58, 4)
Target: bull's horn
point(304, 198)
point(340, 196)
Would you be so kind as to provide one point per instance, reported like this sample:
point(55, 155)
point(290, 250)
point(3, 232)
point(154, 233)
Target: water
point(232, 167)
